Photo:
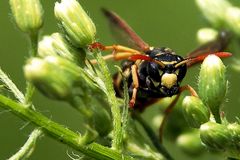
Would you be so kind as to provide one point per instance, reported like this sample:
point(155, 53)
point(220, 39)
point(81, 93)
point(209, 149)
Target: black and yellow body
point(152, 73)
point(155, 80)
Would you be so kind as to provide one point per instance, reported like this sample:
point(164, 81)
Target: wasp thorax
point(169, 80)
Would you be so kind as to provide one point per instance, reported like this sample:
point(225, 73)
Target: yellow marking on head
point(169, 80)
point(167, 62)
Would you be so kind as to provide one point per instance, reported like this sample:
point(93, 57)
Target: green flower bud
point(232, 19)
point(75, 21)
point(215, 136)
point(28, 14)
point(54, 76)
point(100, 117)
point(190, 143)
point(45, 47)
point(234, 129)
point(56, 44)
point(205, 35)
point(195, 112)
point(212, 83)
point(214, 11)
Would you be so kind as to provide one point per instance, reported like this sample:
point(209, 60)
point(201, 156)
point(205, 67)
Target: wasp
point(154, 72)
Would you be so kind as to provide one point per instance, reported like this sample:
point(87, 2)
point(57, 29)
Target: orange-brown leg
point(170, 108)
point(135, 85)
point(119, 52)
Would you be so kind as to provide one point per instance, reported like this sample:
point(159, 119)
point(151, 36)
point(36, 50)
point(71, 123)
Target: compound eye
point(153, 71)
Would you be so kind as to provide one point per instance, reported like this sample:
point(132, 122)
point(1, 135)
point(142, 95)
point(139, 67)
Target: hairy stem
point(28, 147)
point(60, 132)
point(11, 86)
point(115, 109)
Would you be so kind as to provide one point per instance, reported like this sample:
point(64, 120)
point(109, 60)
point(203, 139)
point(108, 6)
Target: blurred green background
point(160, 23)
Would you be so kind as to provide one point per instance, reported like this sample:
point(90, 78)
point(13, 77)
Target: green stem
point(152, 136)
point(125, 106)
point(11, 86)
point(33, 44)
point(117, 142)
point(29, 93)
point(28, 147)
point(217, 117)
point(60, 132)
point(32, 52)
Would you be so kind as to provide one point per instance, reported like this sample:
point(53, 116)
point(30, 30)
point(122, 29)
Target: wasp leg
point(190, 89)
point(119, 52)
point(135, 85)
point(171, 105)
point(167, 112)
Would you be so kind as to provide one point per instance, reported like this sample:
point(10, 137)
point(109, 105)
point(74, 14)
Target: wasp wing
point(212, 47)
point(123, 32)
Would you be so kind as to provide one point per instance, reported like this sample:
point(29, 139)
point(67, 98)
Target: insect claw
point(96, 45)
point(132, 103)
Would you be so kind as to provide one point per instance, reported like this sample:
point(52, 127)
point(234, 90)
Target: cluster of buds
point(215, 133)
point(212, 86)
point(221, 14)
point(59, 70)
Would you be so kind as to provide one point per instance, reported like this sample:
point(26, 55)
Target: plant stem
point(33, 44)
point(32, 52)
point(152, 136)
point(29, 93)
point(60, 132)
point(115, 109)
point(11, 86)
point(217, 118)
point(125, 106)
point(28, 147)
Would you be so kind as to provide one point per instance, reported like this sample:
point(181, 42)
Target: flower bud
point(100, 117)
point(233, 149)
point(214, 11)
point(56, 44)
point(215, 136)
point(28, 14)
point(205, 35)
point(190, 142)
point(54, 76)
point(195, 112)
point(75, 21)
point(232, 19)
point(212, 83)
point(234, 129)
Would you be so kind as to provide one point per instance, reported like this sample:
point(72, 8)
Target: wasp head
point(166, 71)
